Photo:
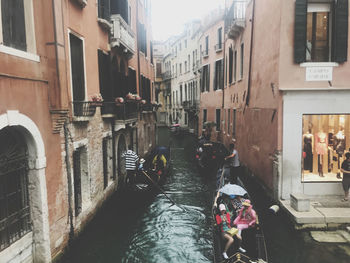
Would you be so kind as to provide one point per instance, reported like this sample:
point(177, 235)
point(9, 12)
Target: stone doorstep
point(310, 217)
point(335, 215)
point(330, 236)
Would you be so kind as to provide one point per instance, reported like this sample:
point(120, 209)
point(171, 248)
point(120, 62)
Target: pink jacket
point(249, 218)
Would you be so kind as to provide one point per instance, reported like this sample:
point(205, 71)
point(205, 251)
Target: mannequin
point(308, 150)
point(321, 149)
point(339, 147)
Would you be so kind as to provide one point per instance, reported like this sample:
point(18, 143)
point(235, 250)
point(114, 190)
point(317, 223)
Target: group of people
point(246, 218)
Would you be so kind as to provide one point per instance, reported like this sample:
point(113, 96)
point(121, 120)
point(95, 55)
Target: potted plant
point(119, 101)
point(96, 100)
point(130, 97)
point(138, 98)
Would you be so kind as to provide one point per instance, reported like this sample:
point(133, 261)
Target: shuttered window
point(321, 31)
point(77, 68)
point(13, 24)
point(219, 75)
point(104, 76)
point(218, 118)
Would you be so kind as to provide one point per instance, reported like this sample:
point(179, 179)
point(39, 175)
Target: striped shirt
point(130, 160)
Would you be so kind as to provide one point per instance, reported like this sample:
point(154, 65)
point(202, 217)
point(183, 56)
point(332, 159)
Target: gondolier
point(131, 160)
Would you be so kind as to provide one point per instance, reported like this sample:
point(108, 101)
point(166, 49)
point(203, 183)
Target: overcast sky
point(169, 16)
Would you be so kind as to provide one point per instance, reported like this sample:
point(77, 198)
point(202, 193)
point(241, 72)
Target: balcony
point(235, 19)
point(108, 109)
point(127, 112)
point(218, 47)
point(166, 75)
point(205, 53)
point(84, 110)
point(122, 35)
point(191, 106)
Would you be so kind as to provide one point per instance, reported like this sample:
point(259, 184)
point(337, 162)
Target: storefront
point(316, 135)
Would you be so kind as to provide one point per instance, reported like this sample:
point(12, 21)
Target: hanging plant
point(96, 99)
point(119, 101)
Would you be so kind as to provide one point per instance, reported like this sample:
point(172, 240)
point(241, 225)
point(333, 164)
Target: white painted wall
point(295, 104)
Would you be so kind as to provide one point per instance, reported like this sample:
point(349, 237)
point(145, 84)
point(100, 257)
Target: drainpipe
point(69, 181)
point(250, 56)
point(113, 151)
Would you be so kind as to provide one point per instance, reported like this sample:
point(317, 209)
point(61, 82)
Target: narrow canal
point(129, 229)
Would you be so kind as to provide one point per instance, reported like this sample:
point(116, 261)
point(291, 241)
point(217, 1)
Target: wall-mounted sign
point(319, 73)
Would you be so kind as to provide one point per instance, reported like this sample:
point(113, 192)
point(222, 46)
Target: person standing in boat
point(159, 163)
point(234, 163)
point(246, 217)
point(131, 160)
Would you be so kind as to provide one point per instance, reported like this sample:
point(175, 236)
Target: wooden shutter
point(300, 31)
point(215, 86)
point(340, 44)
point(208, 78)
point(77, 64)
point(222, 75)
point(202, 80)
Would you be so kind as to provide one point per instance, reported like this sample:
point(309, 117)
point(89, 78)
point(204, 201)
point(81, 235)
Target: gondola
point(210, 155)
point(253, 240)
point(148, 178)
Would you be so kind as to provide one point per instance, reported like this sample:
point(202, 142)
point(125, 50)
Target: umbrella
point(233, 189)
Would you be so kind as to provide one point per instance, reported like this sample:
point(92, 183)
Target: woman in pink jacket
point(246, 217)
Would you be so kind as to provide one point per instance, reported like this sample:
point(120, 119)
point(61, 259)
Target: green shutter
point(340, 44)
point(300, 31)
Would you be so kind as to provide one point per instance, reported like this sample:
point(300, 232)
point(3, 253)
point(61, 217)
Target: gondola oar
point(160, 189)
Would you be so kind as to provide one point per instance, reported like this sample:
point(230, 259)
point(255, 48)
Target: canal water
point(129, 229)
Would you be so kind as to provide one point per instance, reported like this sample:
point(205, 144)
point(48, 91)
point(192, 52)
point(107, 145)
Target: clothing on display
point(321, 143)
point(308, 137)
point(339, 143)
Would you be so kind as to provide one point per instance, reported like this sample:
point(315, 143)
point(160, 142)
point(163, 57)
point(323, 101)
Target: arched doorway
point(120, 160)
point(24, 222)
point(15, 219)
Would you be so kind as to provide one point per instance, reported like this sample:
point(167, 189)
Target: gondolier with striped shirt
point(131, 160)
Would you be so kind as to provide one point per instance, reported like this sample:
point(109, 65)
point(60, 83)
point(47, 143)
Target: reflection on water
point(130, 229)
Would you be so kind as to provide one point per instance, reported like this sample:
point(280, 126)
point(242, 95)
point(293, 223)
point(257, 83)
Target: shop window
point(325, 141)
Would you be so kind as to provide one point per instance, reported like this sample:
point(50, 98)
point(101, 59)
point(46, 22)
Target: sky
point(169, 16)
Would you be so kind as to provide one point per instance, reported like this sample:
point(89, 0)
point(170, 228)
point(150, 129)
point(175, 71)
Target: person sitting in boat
point(159, 163)
point(224, 221)
point(246, 217)
point(235, 204)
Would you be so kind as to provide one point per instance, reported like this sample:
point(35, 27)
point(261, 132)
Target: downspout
point(250, 56)
point(69, 181)
point(138, 51)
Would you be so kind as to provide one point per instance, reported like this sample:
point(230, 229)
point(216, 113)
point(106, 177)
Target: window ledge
point(19, 53)
point(319, 64)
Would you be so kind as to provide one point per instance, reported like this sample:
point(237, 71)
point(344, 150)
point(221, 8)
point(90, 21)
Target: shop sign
point(319, 73)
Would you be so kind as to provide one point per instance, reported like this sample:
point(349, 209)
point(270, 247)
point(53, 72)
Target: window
point(77, 72)
point(104, 75)
point(242, 60)
point(206, 51)
point(185, 92)
point(219, 39)
point(189, 62)
point(186, 118)
point(104, 9)
point(321, 31)
point(185, 66)
point(234, 123)
point(228, 121)
point(142, 38)
point(180, 68)
point(121, 7)
point(17, 27)
point(219, 75)
point(181, 94)
point(218, 118)
point(185, 43)
point(324, 143)
point(230, 65)
point(235, 67)
point(205, 78)
point(204, 117)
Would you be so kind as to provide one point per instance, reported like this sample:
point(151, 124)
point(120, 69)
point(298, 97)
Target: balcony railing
point(218, 47)
point(122, 35)
point(235, 18)
point(205, 53)
point(127, 111)
point(84, 108)
point(166, 75)
point(108, 109)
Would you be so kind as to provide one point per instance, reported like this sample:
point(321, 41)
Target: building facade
point(287, 107)
point(211, 47)
point(77, 91)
